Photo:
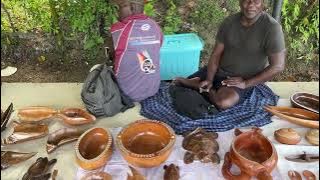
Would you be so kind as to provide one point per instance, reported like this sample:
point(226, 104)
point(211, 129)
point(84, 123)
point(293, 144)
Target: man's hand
point(235, 82)
point(205, 85)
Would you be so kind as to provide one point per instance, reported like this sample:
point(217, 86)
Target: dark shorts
point(216, 83)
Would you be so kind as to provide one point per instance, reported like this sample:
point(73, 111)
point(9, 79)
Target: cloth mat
point(118, 168)
point(249, 112)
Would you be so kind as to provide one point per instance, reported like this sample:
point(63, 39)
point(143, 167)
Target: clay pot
point(146, 143)
point(94, 148)
point(287, 136)
point(253, 153)
point(306, 101)
point(312, 136)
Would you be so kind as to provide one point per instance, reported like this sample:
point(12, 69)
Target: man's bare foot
point(190, 83)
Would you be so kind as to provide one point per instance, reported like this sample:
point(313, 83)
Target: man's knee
point(226, 97)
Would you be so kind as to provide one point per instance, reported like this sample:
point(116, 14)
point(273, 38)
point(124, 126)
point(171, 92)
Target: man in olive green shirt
point(249, 50)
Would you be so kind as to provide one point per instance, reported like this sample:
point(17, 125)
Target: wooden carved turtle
point(201, 145)
point(171, 172)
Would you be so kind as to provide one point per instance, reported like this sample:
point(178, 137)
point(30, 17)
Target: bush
point(300, 21)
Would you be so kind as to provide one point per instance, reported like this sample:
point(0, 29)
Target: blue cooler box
point(180, 55)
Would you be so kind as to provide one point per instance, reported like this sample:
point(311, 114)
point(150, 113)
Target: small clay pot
point(94, 148)
point(146, 143)
point(287, 136)
point(312, 136)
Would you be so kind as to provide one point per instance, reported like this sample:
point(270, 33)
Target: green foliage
point(300, 20)
point(172, 20)
point(149, 9)
point(209, 14)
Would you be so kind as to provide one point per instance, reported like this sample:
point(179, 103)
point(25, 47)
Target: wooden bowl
point(306, 101)
point(94, 148)
point(146, 143)
point(287, 136)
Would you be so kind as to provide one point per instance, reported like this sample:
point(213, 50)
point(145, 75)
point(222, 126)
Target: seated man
point(137, 40)
point(249, 50)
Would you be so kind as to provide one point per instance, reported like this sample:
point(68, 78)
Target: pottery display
point(24, 132)
point(70, 116)
point(312, 136)
point(172, 172)
point(62, 136)
point(309, 175)
point(294, 175)
point(287, 136)
point(135, 174)
point(97, 176)
point(39, 169)
point(303, 158)
point(9, 158)
point(94, 148)
point(146, 143)
point(306, 101)
point(76, 116)
point(297, 116)
point(253, 153)
point(201, 145)
point(6, 116)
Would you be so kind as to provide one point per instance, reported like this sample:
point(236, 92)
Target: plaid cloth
point(249, 112)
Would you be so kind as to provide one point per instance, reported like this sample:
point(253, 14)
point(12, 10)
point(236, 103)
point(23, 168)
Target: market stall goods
point(201, 145)
point(9, 158)
point(6, 116)
point(62, 136)
point(172, 172)
point(94, 148)
point(70, 116)
point(303, 158)
point(297, 116)
point(146, 143)
point(253, 153)
point(312, 136)
point(97, 176)
point(306, 101)
point(135, 175)
point(287, 136)
point(39, 169)
point(294, 175)
point(24, 132)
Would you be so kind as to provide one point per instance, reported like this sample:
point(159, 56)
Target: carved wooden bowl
point(253, 153)
point(94, 148)
point(306, 101)
point(146, 143)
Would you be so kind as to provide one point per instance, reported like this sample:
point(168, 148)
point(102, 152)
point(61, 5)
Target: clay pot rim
point(108, 146)
point(274, 152)
point(146, 156)
point(292, 100)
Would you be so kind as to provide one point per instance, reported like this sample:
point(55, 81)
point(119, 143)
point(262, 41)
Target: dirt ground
point(53, 71)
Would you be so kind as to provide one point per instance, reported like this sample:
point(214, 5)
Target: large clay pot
point(253, 153)
point(94, 148)
point(146, 143)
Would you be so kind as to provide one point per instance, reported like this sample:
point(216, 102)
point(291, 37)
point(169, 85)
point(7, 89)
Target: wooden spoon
point(309, 175)
point(294, 175)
